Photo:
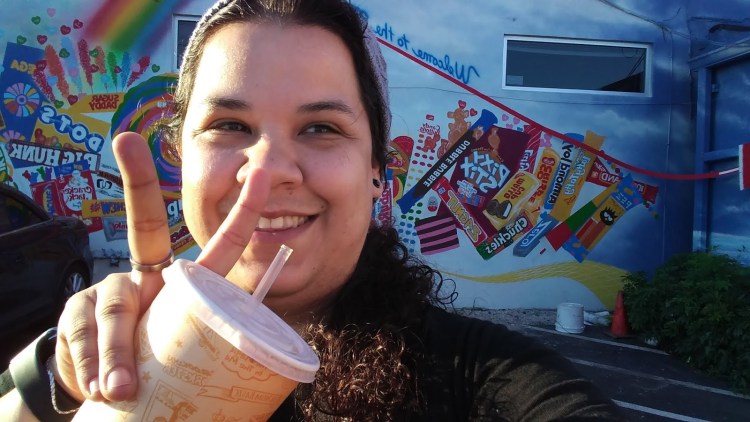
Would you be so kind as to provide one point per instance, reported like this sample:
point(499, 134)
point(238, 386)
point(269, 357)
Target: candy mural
point(73, 77)
point(537, 197)
point(523, 198)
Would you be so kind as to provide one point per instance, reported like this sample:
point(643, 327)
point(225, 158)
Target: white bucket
point(569, 318)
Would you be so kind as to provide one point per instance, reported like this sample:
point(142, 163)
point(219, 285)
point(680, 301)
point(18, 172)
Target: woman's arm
point(29, 390)
point(13, 408)
point(487, 372)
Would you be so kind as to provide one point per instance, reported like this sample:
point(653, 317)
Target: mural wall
point(524, 198)
point(72, 77)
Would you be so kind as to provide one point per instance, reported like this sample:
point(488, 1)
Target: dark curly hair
point(367, 343)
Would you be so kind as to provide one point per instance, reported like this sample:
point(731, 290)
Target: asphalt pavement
point(648, 384)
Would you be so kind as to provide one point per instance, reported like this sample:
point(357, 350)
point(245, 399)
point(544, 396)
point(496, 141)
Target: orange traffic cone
point(619, 328)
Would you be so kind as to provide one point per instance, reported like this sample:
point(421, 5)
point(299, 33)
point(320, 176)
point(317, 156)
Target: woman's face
point(285, 99)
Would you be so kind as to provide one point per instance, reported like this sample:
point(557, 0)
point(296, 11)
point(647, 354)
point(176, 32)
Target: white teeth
point(280, 223)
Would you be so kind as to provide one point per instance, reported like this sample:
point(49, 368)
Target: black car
point(44, 260)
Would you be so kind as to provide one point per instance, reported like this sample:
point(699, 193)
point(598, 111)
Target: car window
point(15, 215)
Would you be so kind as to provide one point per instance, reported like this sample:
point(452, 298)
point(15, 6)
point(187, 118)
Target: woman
point(281, 121)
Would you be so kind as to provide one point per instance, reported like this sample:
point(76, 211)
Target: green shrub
point(697, 307)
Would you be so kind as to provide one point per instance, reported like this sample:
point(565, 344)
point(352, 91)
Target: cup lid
point(246, 324)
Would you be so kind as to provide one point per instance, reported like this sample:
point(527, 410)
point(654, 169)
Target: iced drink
point(208, 351)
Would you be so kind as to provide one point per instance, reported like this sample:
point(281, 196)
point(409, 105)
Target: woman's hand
point(95, 355)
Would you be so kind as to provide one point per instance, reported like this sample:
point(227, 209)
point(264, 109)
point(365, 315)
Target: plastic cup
point(206, 350)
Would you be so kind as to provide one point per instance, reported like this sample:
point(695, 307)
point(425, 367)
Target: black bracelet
point(36, 384)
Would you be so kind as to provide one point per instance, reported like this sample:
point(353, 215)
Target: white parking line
point(596, 340)
point(657, 412)
point(658, 378)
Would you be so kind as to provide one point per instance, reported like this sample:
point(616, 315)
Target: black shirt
point(480, 371)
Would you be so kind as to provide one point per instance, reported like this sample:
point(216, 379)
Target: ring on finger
point(155, 268)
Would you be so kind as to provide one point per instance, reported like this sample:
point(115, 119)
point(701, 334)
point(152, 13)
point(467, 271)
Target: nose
point(278, 157)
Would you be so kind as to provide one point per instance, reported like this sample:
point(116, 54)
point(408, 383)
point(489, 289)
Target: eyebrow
point(318, 106)
point(227, 103)
point(332, 105)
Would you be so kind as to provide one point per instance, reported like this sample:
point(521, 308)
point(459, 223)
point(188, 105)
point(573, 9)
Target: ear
point(377, 188)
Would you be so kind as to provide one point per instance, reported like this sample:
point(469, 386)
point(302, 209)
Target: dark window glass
point(15, 215)
point(184, 29)
point(557, 65)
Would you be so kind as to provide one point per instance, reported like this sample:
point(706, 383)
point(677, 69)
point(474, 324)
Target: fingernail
point(117, 378)
point(94, 387)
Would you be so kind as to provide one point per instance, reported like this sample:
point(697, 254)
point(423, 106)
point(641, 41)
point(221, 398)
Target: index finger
point(148, 229)
point(226, 246)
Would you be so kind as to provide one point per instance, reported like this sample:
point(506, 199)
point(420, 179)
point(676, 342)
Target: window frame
point(176, 19)
point(648, 67)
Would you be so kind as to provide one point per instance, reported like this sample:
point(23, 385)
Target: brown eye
point(320, 129)
point(231, 127)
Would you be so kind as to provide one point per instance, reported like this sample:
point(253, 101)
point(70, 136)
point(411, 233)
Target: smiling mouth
point(281, 223)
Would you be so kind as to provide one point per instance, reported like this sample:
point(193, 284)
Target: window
point(184, 26)
point(556, 64)
point(15, 215)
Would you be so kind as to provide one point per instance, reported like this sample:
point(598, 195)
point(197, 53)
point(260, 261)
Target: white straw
point(273, 271)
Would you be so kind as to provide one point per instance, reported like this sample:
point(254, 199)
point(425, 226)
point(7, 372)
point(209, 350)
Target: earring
point(376, 183)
